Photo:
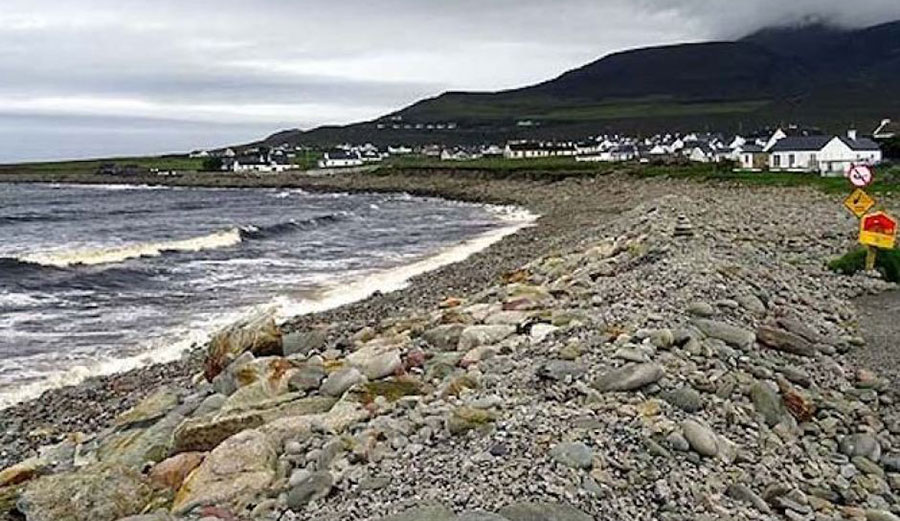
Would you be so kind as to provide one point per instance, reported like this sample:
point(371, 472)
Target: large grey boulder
point(700, 437)
point(629, 378)
point(576, 455)
point(95, 493)
point(732, 335)
point(303, 342)
point(444, 337)
point(768, 403)
point(474, 336)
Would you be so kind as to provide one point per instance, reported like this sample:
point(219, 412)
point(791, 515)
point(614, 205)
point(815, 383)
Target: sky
point(100, 78)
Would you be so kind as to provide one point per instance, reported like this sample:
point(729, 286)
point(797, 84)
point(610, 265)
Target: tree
point(212, 164)
point(891, 148)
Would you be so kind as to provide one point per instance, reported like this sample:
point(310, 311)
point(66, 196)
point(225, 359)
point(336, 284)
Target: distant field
point(546, 164)
point(180, 163)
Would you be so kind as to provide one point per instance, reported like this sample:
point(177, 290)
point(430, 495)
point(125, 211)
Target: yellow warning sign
point(859, 202)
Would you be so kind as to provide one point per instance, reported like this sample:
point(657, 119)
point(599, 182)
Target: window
point(791, 160)
point(777, 159)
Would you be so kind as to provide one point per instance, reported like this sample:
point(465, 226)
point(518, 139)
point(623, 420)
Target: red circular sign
point(860, 175)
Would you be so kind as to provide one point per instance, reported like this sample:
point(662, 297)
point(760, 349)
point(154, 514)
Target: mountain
point(815, 74)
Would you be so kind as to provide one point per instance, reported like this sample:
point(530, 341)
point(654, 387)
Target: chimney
point(852, 134)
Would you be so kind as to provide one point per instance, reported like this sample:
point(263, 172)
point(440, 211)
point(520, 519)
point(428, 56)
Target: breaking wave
point(220, 239)
point(109, 255)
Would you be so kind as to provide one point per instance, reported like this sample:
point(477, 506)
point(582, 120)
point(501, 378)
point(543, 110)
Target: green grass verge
point(887, 262)
point(544, 164)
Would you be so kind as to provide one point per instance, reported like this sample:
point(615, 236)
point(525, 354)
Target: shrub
point(887, 262)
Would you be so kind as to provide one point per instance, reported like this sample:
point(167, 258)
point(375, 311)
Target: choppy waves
point(108, 255)
point(220, 239)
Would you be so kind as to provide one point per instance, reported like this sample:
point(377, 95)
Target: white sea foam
point(338, 294)
point(397, 278)
point(108, 255)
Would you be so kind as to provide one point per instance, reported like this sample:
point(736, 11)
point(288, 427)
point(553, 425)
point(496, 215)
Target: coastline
point(676, 278)
point(93, 402)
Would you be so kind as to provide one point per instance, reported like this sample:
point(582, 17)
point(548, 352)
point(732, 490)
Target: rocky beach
point(651, 349)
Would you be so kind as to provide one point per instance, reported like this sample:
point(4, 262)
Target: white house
point(399, 150)
point(796, 153)
point(340, 159)
point(750, 156)
point(826, 155)
point(528, 150)
point(841, 153)
point(262, 163)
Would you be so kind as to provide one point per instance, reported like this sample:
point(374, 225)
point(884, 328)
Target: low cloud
point(276, 63)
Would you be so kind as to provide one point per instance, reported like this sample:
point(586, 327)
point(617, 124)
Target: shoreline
point(509, 220)
point(688, 339)
point(93, 402)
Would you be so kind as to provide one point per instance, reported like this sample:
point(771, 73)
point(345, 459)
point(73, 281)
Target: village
point(791, 148)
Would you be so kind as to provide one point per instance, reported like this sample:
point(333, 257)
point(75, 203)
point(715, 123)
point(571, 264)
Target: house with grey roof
point(827, 155)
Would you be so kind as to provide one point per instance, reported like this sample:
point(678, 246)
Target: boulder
point(768, 403)
point(339, 381)
point(685, 398)
point(315, 486)
point(21, 472)
point(732, 335)
point(257, 334)
point(575, 455)
point(445, 337)
point(303, 342)
point(206, 432)
point(94, 493)
point(308, 377)
point(150, 408)
point(232, 475)
point(475, 336)
point(861, 444)
point(381, 365)
point(700, 437)
point(701, 309)
point(629, 378)
point(135, 447)
point(784, 341)
point(171, 473)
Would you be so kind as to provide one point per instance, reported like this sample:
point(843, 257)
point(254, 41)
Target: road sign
point(859, 203)
point(878, 229)
point(860, 175)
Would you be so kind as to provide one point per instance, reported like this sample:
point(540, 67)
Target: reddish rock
point(172, 472)
point(451, 302)
point(798, 405)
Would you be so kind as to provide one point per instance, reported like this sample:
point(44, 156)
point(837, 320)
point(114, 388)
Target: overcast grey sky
point(106, 77)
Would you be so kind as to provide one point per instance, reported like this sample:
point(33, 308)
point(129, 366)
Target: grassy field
point(546, 164)
point(178, 163)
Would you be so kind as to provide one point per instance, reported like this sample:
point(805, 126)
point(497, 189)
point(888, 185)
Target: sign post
point(877, 230)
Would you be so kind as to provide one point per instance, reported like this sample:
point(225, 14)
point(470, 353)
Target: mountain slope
point(816, 75)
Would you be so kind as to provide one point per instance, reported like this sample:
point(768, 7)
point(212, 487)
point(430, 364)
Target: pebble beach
point(649, 349)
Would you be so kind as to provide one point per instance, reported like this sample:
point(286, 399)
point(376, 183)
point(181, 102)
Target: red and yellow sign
point(878, 229)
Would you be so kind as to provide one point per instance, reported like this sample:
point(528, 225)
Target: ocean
point(102, 279)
